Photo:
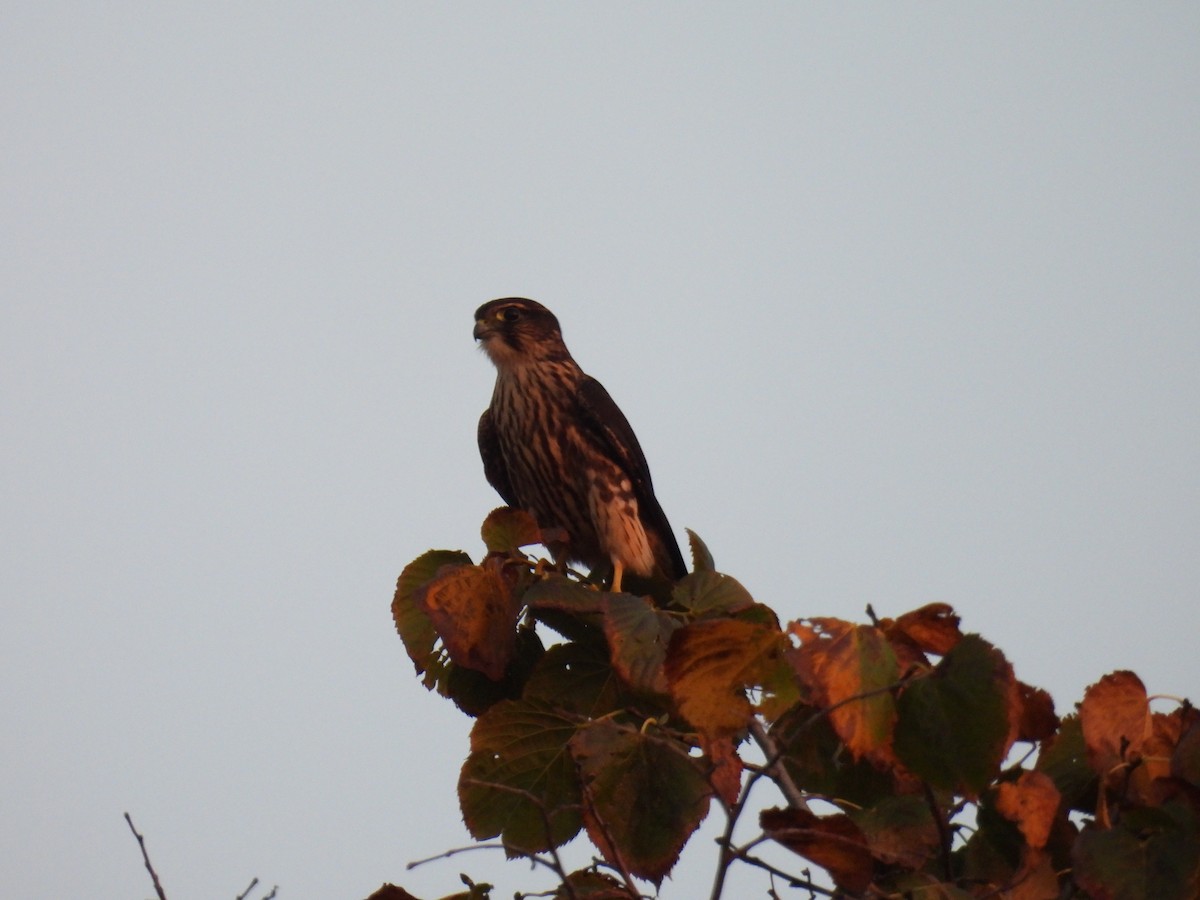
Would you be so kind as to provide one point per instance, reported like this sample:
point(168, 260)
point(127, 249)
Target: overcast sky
point(903, 302)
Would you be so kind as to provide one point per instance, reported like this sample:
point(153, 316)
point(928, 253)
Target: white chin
point(498, 351)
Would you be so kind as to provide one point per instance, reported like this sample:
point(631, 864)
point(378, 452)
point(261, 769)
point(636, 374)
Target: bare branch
point(246, 893)
point(775, 767)
point(491, 845)
point(146, 859)
point(795, 881)
point(725, 842)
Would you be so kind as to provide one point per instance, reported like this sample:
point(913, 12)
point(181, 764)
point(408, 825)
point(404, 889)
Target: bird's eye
point(511, 314)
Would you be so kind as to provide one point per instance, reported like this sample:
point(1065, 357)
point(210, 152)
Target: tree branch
point(146, 859)
point(775, 767)
point(795, 881)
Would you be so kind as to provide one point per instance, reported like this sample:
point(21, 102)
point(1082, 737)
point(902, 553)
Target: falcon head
point(516, 332)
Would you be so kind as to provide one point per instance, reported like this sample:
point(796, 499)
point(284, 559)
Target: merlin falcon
point(554, 443)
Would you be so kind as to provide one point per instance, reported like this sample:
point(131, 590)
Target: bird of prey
point(554, 443)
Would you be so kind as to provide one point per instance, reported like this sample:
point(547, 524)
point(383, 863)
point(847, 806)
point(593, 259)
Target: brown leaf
point(834, 843)
point(1035, 717)
point(506, 529)
point(933, 628)
point(588, 884)
point(1032, 803)
point(1163, 739)
point(1115, 717)
point(1151, 782)
point(726, 774)
point(391, 892)
point(1185, 761)
point(474, 611)
point(1035, 880)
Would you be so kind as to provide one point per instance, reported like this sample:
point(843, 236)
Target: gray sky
point(903, 302)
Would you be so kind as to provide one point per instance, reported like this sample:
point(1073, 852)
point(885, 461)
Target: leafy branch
point(624, 715)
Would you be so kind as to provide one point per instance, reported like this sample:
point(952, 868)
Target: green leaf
point(1064, 758)
point(474, 693)
point(706, 593)
point(578, 678)
point(556, 591)
point(519, 782)
point(953, 727)
point(506, 530)
point(644, 795)
point(570, 608)
point(1151, 863)
point(638, 635)
point(414, 626)
point(900, 830)
point(993, 852)
point(702, 560)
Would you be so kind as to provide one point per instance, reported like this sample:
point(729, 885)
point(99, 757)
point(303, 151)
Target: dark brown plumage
point(553, 442)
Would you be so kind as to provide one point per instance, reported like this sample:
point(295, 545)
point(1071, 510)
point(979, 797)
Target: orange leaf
point(711, 663)
point(1115, 717)
point(1032, 803)
point(726, 774)
point(474, 612)
point(849, 667)
point(933, 628)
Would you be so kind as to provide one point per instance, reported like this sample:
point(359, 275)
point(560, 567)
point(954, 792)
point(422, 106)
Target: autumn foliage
point(910, 761)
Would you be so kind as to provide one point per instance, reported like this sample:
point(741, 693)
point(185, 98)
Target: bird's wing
point(604, 418)
point(494, 467)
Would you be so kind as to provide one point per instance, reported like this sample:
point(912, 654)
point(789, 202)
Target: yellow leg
point(616, 581)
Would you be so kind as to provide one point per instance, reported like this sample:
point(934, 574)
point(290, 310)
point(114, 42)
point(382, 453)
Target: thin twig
point(246, 893)
point(732, 814)
point(795, 881)
point(146, 858)
point(779, 772)
point(490, 845)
